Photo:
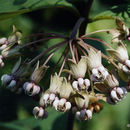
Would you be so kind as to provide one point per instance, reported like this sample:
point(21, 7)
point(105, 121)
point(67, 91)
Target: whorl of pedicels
point(87, 81)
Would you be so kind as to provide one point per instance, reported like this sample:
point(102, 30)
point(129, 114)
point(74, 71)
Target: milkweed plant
point(81, 81)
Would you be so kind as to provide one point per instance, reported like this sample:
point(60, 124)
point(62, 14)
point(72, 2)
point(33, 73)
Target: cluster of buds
point(86, 81)
point(48, 99)
point(11, 83)
point(10, 46)
point(117, 94)
point(121, 55)
point(81, 84)
point(79, 70)
point(84, 114)
point(58, 85)
point(120, 33)
point(31, 89)
point(95, 65)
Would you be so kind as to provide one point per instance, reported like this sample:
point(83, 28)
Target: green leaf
point(122, 11)
point(55, 120)
point(10, 8)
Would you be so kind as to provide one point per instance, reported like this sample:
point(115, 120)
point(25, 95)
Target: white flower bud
point(52, 98)
point(5, 79)
point(25, 85)
point(1, 61)
point(12, 84)
point(87, 83)
point(28, 88)
point(82, 114)
point(2, 64)
point(78, 115)
point(1, 57)
point(95, 72)
point(127, 62)
point(120, 92)
point(62, 102)
point(41, 112)
point(75, 85)
point(89, 114)
point(56, 98)
point(80, 82)
point(31, 89)
point(101, 69)
point(36, 90)
point(3, 40)
point(38, 112)
point(45, 98)
point(103, 72)
point(55, 103)
point(114, 96)
point(125, 69)
point(3, 47)
point(124, 90)
point(67, 106)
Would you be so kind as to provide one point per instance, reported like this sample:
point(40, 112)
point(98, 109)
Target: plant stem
point(99, 40)
point(43, 39)
point(47, 50)
point(86, 16)
point(63, 63)
point(98, 31)
point(72, 53)
point(49, 57)
point(76, 27)
point(45, 34)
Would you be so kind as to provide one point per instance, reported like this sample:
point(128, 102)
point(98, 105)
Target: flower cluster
point(82, 82)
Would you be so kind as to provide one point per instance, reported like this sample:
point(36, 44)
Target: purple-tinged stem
point(47, 50)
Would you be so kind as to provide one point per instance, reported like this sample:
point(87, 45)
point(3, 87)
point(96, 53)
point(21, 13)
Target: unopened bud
point(5, 79)
point(3, 47)
point(12, 84)
point(78, 115)
point(95, 72)
point(89, 114)
point(3, 40)
point(75, 85)
point(87, 83)
point(80, 81)
point(67, 106)
point(52, 98)
point(127, 62)
point(38, 112)
point(125, 69)
point(120, 92)
point(55, 103)
point(82, 114)
point(45, 99)
point(114, 96)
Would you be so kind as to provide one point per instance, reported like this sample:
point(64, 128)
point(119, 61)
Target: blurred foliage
point(57, 16)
